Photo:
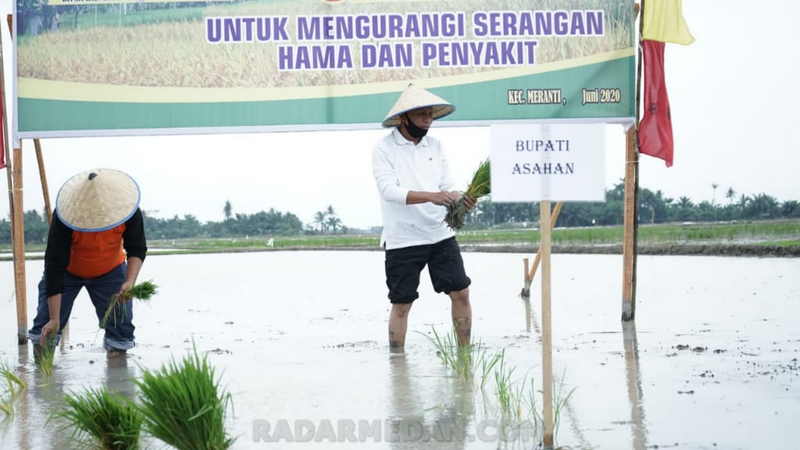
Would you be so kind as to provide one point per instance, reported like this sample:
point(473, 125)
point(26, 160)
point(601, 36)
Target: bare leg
point(462, 315)
point(398, 324)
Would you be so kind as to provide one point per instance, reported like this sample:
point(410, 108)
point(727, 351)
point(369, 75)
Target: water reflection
point(46, 394)
point(532, 324)
point(634, 383)
point(22, 405)
point(443, 426)
point(530, 319)
point(120, 374)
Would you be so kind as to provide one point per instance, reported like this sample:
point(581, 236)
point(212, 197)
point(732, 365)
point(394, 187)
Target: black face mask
point(415, 131)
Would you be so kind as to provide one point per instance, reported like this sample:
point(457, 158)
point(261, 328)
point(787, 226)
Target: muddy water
point(299, 338)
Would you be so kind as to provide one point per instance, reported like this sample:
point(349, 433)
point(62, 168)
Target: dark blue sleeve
point(56, 257)
point(133, 237)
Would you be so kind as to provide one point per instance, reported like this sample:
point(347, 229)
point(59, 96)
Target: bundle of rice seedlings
point(102, 420)
point(44, 356)
point(184, 405)
point(141, 291)
point(478, 187)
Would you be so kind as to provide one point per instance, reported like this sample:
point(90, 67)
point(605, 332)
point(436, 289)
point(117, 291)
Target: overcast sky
point(734, 96)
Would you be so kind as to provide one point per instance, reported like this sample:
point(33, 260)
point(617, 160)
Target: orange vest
point(96, 253)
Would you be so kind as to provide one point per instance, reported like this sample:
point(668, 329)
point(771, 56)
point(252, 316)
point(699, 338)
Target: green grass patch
point(789, 243)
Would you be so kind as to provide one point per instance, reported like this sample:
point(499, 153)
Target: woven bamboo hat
point(413, 98)
point(97, 200)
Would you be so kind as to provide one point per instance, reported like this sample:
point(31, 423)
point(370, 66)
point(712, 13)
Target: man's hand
point(51, 327)
point(469, 202)
point(125, 286)
point(444, 198)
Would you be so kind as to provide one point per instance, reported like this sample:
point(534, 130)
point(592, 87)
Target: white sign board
point(562, 162)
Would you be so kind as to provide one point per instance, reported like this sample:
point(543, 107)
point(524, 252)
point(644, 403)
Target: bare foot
point(115, 354)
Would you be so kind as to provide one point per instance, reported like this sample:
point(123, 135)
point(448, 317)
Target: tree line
point(653, 207)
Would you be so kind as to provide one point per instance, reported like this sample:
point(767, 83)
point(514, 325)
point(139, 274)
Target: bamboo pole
point(547, 338)
point(19, 248)
point(528, 277)
point(630, 219)
point(629, 226)
point(43, 177)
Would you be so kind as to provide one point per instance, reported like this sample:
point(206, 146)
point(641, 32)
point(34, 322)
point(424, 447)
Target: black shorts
point(403, 266)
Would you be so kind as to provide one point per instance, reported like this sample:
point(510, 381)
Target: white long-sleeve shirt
point(399, 166)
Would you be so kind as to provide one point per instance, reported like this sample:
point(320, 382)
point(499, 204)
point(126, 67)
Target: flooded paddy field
point(299, 338)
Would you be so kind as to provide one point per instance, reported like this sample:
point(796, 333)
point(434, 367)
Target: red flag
point(655, 129)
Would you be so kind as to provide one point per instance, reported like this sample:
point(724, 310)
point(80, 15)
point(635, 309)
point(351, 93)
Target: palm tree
point(714, 186)
point(227, 210)
point(319, 218)
point(333, 223)
point(730, 194)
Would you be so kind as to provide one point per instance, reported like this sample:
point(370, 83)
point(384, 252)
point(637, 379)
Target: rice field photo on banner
point(128, 67)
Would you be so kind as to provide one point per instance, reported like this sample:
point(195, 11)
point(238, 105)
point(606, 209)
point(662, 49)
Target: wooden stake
point(629, 226)
point(14, 178)
point(547, 338)
point(19, 248)
point(525, 269)
point(43, 177)
point(528, 278)
point(525, 293)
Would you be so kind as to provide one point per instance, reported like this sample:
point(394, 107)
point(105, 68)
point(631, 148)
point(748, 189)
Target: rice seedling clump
point(102, 420)
point(45, 355)
point(184, 405)
point(478, 187)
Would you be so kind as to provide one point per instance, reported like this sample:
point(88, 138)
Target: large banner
point(115, 67)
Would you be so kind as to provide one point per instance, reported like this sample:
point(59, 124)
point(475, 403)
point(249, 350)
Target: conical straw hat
point(97, 200)
point(413, 98)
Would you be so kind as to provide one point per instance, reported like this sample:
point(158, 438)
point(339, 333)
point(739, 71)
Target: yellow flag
point(663, 21)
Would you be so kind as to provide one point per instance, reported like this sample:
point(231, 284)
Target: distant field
point(782, 234)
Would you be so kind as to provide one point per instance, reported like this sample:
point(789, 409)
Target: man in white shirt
point(414, 184)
